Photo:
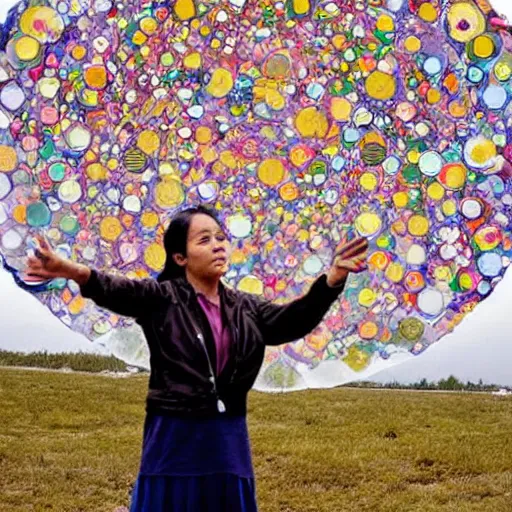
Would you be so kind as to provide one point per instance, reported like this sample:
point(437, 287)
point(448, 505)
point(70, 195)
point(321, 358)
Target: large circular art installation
point(297, 121)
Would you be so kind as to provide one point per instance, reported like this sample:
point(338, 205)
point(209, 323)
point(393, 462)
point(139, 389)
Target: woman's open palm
point(44, 263)
point(350, 257)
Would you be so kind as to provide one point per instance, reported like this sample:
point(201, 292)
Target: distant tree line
point(449, 384)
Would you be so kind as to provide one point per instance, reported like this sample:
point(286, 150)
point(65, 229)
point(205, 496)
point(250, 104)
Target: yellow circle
point(271, 172)
point(193, 60)
point(205, 31)
point(400, 199)
point(412, 44)
point(413, 156)
point(289, 191)
point(27, 48)
point(110, 229)
point(338, 41)
point(368, 224)
point(96, 172)
point(380, 86)
point(184, 9)
point(395, 272)
point(301, 154)
point(43, 23)
point(19, 214)
point(76, 305)
point(503, 71)
point(435, 191)
point(449, 208)
point(443, 273)
point(427, 12)
point(220, 83)
point(466, 281)
point(149, 220)
point(368, 330)
point(139, 38)
point(228, 159)
point(78, 52)
point(341, 109)
point(483, 151)
point(274, 99)
point(148, 142)
point(203, 135)
point(368, 181)
point(385, 23)
point(457, 109)
point(471, 15)
point(8, 159)
point(154, 257)
point(169, 193)
point(453, 176)
point(310, 122)
point(96, 77)
point(367, 297)
point(418, 225)
point(483, 47)
point(148, 25)
point(250, 284)
point(433, 96)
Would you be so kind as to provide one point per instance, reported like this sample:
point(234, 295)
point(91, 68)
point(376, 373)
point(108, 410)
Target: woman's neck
point(208, 287)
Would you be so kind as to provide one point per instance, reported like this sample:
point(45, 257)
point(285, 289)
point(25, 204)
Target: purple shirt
point(220, 332)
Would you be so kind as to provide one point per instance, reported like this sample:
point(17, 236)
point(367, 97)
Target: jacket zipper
point(220, 404)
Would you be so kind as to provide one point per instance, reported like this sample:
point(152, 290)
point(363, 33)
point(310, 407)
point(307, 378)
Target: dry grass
point(71, 442)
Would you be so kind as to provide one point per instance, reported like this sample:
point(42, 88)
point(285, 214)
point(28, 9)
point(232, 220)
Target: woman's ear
point(179, 259)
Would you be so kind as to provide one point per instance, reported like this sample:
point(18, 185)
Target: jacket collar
point(187, 293)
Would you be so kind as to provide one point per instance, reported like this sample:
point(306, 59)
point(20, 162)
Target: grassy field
point(71, 442)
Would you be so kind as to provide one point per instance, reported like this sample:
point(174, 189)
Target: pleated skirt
point(222, 492)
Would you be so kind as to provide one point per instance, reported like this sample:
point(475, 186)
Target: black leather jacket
point(181, 344)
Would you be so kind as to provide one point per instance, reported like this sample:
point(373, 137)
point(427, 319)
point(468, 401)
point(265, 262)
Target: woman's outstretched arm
point(285, 323)
point(120, 295)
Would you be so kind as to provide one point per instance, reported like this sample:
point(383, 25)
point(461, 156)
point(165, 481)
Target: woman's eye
point(204, 240)
point(221, 238)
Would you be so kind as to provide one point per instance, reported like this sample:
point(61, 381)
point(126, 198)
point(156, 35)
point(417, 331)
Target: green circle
point(69, 225)
point(411, 329)
point(167, 59)
point(38, 215)
point(57, 171)
point(135, 160)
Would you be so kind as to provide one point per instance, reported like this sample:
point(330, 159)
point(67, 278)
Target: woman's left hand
point(350, 257)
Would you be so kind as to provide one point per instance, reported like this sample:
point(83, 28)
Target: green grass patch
point(71, 443)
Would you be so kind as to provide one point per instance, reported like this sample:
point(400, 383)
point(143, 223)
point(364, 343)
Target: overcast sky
point(481, 346)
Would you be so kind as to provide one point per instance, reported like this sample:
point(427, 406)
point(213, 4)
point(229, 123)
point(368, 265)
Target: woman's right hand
point(45, 263)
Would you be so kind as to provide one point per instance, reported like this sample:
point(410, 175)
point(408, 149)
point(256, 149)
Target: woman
point(206, 344)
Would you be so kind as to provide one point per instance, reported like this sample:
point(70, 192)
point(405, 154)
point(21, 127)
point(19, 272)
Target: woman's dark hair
point(175, 240)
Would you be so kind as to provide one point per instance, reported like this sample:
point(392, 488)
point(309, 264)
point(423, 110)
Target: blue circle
point(432, 66)
point(484, 287)
point(475, 74)
point(489, 264)
point(495, 97)
point(391, 165)
point(351, 135)
point(338, 163)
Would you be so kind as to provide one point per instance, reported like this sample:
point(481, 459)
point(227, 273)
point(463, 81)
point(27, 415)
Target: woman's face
point(208, 249)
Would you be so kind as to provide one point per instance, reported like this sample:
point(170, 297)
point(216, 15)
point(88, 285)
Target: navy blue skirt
point(210, 493)
point(195, 465)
